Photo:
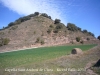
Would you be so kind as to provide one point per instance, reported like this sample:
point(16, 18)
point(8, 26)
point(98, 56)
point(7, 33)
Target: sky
point(83, 13)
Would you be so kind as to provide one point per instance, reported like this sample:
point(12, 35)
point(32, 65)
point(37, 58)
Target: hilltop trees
point(22, 19)
point(57, 21)
point(98, 37)
point(45, 15)
point(10, 24)
point(25, 18)
point(72, 27)
point(84, 31)
point(89, 33)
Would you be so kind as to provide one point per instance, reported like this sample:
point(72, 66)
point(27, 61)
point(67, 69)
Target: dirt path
point(18, 50)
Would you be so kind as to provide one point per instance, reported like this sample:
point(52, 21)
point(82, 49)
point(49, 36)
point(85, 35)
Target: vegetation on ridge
point(41, 25)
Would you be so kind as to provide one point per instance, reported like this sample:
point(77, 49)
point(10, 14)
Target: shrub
point(42, 42)
point(49, 31)
point(79, 28)
point(82, 42)
point(98, 37)
point(59, 26)
point(88, 38)
point(78, 39)
point(38, 40)
point(10, 24)
point(51, 26)
point(4, 41)
point(91, 34)
point(49, 17)
point(57, 21)
point(36, 13)
point(34, 32)
point(45, 15)
point(84, 31)
point(72, 27)
point(14, 27)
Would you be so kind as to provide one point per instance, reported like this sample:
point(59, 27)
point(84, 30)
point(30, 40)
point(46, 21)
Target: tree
point(49, 17)
point(45, 15)
point(78, 39)
point(84, 31)
point(98, 37)
point(91, 34)
point(88, 39)
point(59, 26)
point(57, 21)
point(72, 27)
point(10, 24)
point(36, 13)
point(79, 28)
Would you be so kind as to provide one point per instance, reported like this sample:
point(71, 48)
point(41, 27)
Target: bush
point(14, 27)
point(91, 34)
point(10, 24)
point(42, 42)
point(57, 21)
point(79, 28)
point(72, 27)
point(38, 40)
point(59, 26)
point(4, 41)
point(36, 13)
point(34, 32)
point(45, 15)
point(84, 31)
point(98, 37)
point(78, 39)
point(51, 26)
point(49, 31)
point(88, 39)
point(82, 42)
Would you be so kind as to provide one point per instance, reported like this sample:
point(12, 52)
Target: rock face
point(76, 51)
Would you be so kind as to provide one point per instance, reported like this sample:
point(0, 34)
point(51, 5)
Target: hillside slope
point(39, 31)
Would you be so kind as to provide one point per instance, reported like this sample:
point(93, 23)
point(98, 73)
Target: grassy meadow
point(36, 55)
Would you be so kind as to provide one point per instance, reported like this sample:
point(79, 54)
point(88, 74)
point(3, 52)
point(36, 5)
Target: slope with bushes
point(39, 29)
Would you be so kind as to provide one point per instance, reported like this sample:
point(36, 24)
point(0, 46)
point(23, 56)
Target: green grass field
point(36, 55)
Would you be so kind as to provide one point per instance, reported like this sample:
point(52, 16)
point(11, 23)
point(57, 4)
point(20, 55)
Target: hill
point(39, 29)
